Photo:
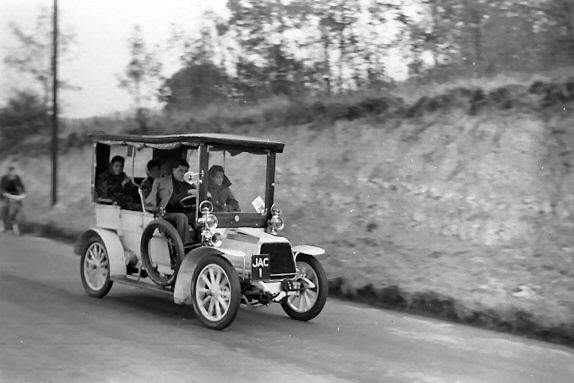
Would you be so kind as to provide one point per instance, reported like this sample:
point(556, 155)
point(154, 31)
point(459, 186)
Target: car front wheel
point(216, 292)
point(95, 268)
point(307, 303)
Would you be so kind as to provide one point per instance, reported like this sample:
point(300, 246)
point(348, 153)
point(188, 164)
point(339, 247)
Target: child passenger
point(218, 188)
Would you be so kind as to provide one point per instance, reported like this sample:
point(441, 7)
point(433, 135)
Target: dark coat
point(222, 197)
point(12, 186)
point(109, 186)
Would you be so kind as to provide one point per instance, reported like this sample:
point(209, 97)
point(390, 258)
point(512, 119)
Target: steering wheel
point(188, 201)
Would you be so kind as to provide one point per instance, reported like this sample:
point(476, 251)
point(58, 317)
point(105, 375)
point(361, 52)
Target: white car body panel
point(128, 224)
point(309, 250)
point(108, 217)
point(238, 245)
point(115, 252)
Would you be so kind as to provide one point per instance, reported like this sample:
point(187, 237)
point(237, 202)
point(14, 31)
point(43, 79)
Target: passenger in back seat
point(153, 172)
point(113, 184)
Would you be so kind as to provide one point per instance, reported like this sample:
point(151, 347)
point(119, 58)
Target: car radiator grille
point(281, 257)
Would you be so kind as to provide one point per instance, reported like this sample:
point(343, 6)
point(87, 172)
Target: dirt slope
point(467, 201)
point(461, 204)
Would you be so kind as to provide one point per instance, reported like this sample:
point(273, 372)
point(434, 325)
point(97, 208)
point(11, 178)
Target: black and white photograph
point(261, 191)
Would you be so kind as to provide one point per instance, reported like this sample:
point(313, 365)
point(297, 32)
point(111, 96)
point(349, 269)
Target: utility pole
point(55, 105)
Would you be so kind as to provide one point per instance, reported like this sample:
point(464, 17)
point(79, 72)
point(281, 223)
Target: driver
point(167, 192)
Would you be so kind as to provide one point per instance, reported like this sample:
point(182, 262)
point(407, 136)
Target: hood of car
point(254, 236)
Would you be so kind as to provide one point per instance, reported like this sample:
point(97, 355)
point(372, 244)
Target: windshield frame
point(239, 219)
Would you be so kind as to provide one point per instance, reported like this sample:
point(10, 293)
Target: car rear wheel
point(216, 292)
point(95, 268)
point(307, 303)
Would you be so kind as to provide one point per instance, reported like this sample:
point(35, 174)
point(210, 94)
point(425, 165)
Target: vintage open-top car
point(228, 257)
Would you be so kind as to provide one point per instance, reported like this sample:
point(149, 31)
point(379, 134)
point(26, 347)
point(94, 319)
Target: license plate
point(260, 267)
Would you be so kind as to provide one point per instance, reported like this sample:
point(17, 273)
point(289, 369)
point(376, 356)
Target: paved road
point(50, 331)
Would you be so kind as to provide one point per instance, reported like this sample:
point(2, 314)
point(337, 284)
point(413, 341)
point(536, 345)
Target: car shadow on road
point(157, 306)
point(149, 304)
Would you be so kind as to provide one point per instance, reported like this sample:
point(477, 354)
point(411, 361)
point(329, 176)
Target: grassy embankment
point(459, 203)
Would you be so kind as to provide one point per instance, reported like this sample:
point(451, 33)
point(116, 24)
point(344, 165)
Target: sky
point(100, 54)
point(102, 28)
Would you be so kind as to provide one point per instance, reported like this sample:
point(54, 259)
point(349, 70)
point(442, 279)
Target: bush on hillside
point(24, 115)
point(22, 120)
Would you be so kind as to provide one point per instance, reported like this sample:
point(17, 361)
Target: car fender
point(309, 250)
point(113, 245)
point(182, 289)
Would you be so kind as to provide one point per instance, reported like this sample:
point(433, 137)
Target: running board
point(136, 282)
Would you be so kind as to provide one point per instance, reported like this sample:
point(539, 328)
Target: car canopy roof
point(172, 141)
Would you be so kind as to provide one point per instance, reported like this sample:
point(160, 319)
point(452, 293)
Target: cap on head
point(118, 159)
point(152, 164)
point(183, 163)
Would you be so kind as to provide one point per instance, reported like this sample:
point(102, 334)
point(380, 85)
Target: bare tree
point(142, 77)
point(31, 56)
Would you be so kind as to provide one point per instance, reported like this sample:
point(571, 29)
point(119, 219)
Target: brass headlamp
point(208, 222)
point(275, 222)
